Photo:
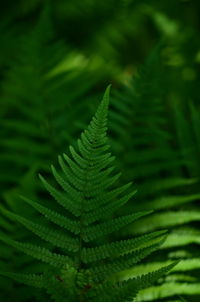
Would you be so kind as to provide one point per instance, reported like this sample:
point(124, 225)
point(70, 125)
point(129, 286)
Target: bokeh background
point(56, 59)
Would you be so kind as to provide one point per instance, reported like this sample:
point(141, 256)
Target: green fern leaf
point(88, 198)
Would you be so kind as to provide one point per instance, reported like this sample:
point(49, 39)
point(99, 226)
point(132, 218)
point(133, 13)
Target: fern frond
point(129, 289)
point(38, 252)
point(28, 279)
point(122, 262)
point(168, 290)
point(87, 195)
point(55, 237)
point(30, 88)
point(60, 220)
point(182, 237)
point(113, 225)
point(117, 248)
point(165, 220)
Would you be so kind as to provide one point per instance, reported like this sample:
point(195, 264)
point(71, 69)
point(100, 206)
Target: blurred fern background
point(56, 58)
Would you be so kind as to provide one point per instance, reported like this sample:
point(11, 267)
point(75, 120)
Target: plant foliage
point(83, 260)
point(55, 59)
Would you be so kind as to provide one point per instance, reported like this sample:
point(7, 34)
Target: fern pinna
point(82, 262)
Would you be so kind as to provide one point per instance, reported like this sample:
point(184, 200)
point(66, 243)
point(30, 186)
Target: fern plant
point(39, 101)
point(142, 134)
point(82, 260)
point(35, 90)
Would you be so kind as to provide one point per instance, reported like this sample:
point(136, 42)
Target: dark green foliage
point(36, 99)
point(56, 57)
point(84, 265)
point(163, 161)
